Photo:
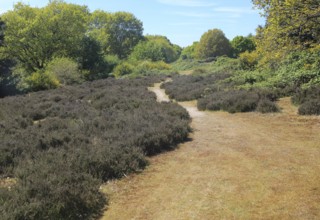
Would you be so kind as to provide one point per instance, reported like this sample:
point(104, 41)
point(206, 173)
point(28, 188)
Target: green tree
point(189, 52)
point(148, 50)
point(242, 44)
point(118, 33)
point(35, 35)
point(213, 43)
point(156, 48)
point(290, 25)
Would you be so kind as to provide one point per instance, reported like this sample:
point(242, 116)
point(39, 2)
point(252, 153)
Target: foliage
point(118, 33)
point(148, 50)
point(151, 68)
point(123, 69)
point(291, 26)
point(304, 95)
point(242, 44)
point(249, 60)
point(156, 48)
point(41, 81)
point(65, 141)
point(65, 70)
point(48, 188)
point(234, 101)
point(189, 52)
point(186, 88)
point(311, 107)
point(267, 106)
point(35, 35)
point(213, 43)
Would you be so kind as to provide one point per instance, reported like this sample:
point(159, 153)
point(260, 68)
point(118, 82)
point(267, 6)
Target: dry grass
point(237, 166)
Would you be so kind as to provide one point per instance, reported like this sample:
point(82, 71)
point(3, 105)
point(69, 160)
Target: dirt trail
point(237, 166)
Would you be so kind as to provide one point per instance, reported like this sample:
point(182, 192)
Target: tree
point(242, 44)
point(35, 35)
point(213, 43)
point(290, 25)
point(118, 33)
point(2, 26)
point(189, 52)
point(156, 48)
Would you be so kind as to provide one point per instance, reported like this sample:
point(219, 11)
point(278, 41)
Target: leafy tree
point(242, 44)
point(35, 35)
point(189, 52)
point(148, 50)
point(291, 25)
point(156, 48)
point(213, 43)
point(118, 33)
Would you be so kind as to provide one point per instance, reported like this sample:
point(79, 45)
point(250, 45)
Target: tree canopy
point(242, 44)
point(156, 48)
point(118, 33)
point(213, 43)
point(290, 25)
point(34, 35)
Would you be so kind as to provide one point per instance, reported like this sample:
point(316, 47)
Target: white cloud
point(187, 3)
point(234, 10)
point(185, 24)
point(194, 14)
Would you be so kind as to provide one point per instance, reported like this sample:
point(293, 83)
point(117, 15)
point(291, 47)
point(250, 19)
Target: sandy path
point(237, 166)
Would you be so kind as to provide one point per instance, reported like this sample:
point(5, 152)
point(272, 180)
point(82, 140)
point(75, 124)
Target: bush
point(249, 60)
point(48, 188)
point(186, 88)
point(41, 80)
point(304, 95)
point(310, 107)
point(234, 101)
point(64, 142)
point(146, 68)
point(123, 69)
point(267, 106)
point(65, 70)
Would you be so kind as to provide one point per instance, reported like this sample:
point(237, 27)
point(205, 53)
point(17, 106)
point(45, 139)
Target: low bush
point(63, 142)
point(304, 95)
point(186, 88)
point(234, 101)
point(123, 69)
point(267, 106)
point(310, 107)
point(231, 101)
point(308, 99)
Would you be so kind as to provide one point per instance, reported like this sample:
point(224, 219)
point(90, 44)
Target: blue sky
point(182, 21)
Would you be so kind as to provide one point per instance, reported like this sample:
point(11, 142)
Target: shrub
point(41, 80)
point(65, 70)
point(63, 142)
point(48, 188)
point(249, 60)
point(149, 68)
point(310, 107)
point(234, 101)
point(123, 69)
point(304, 95)
point(266, 106)
point(186, 88)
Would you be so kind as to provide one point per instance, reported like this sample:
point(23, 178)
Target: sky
point(182, 21)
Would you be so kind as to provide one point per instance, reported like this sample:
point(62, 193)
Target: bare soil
point(236, 166)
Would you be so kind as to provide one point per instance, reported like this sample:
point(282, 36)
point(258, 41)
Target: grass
point(237, 166)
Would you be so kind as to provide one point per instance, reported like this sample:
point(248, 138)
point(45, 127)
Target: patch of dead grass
point(237, 166)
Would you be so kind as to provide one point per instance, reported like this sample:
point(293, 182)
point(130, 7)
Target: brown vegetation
point(237, 166)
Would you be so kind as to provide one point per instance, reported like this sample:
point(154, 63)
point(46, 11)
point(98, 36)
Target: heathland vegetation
point(68, 124)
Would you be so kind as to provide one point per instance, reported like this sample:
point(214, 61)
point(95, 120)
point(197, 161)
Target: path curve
point(237, 166)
